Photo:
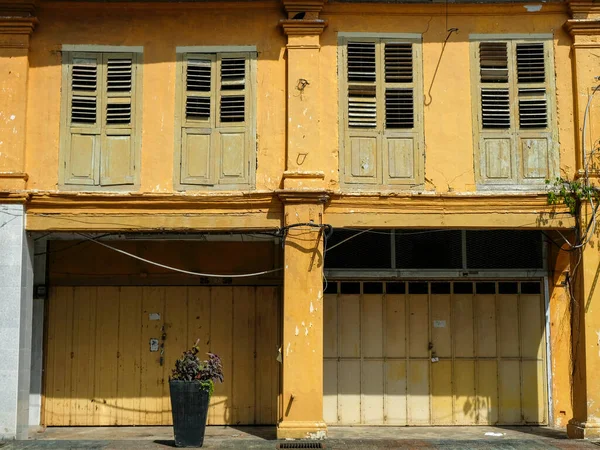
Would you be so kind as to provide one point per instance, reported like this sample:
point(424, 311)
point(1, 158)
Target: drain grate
point(300, 445)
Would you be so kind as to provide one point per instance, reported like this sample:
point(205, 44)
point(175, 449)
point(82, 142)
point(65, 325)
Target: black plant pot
point(190, 407)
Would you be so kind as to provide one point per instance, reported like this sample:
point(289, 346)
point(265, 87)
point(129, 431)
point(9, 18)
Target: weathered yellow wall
point(160, 29)
point(560, 334)
point(13, 106)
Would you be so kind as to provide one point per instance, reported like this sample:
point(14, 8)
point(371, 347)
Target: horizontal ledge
point(304, 174)
point(18, 175)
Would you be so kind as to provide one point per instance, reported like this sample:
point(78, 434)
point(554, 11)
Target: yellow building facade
point(345, 200)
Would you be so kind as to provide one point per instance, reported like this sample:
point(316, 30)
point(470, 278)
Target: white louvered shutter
point(117, 147)
point(84, 104)
point(402, 121)
point(362, 147)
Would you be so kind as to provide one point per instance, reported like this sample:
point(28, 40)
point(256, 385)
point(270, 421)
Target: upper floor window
point(215, 125)
point(381, 104)
point(515, 139)
point(99, 124)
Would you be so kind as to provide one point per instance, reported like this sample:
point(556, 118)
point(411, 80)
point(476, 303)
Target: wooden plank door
point(102, 370)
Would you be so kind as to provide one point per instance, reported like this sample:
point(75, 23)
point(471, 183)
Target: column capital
point(304, 196)
point(580, 9)
point(17, 22)
point(583, 27)
point(303, 17)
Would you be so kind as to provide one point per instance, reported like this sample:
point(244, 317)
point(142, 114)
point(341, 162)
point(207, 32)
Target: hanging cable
point(175, 269)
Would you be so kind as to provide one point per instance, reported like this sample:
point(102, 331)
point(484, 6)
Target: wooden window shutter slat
point(531, 63)
point(84, 91)
point(399, 108)
point(119, 89)
point(361, 68)
point(531, 72)
point(198, 75)
point(495, 108)
point(493, 62)
point(398, 63)
point(119, 72)
point(199, 89)
point(399, 91)
point(361, 62)
point(232, 104)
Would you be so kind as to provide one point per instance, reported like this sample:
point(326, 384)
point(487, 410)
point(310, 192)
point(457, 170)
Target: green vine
point(570, 193)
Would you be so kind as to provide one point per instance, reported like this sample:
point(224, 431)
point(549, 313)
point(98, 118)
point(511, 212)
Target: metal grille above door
point(435, 353)
point(435, 249)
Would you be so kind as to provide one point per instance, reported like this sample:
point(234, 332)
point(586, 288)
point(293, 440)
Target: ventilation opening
point(300, 445)
point(435, 249)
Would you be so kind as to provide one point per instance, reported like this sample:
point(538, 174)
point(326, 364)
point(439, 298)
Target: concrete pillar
point(16, 286)
point(303, 196)
point(303, 321)
point(584, 28)
point(37, 336)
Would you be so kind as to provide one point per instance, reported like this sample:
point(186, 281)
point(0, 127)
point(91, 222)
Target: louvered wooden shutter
point(198, 151)
point(383, 120)
point(402, 121)
point(233, 100)
point(514, 115)
point(534, 140)
point(216, 131)
point(117, 147)
point(362, 147)
point(84, 103)
point(497, 154)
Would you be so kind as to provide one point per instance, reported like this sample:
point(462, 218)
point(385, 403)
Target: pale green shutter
point(198, 153)
point(118, 116)
point(363, 117)
point(84, 103)
point(233, 118)
point(403, 126)
point(497, 158)
point(534, 137)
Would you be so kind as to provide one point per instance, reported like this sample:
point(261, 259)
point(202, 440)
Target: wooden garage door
point(447, 353)
point(100, 369)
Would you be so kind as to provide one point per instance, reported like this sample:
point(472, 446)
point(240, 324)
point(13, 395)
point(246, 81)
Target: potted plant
point(191, 384)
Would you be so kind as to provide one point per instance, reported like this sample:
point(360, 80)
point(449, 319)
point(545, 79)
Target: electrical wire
point(175, 269)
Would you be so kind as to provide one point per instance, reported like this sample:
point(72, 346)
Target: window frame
point(417, 182)
point(100, 52)
point(518, 182)
point(181, 122)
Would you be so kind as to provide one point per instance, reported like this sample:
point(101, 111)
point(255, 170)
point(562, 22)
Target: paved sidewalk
point(448, 438)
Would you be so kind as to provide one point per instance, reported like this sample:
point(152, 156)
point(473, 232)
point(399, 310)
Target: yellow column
point(584, 28)
point(17, 21)
point(302, 346)
point(303, 196)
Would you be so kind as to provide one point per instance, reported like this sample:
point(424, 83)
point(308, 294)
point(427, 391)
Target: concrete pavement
point(448, 438)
